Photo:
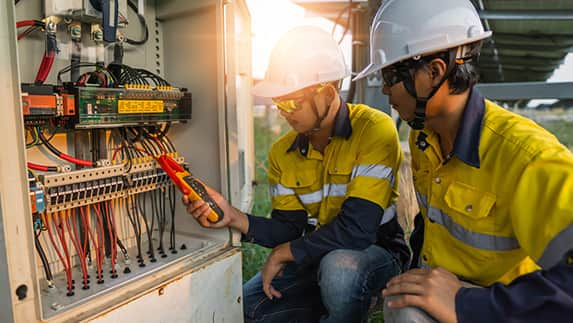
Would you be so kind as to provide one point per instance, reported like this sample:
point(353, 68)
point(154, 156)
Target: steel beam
point(526, 14)
point(526, 90)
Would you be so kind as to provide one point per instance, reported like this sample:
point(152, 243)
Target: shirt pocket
point(299, 178)
point(472, 207)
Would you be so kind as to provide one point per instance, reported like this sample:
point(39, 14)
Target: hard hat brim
point(266, 89)
point(371, 68)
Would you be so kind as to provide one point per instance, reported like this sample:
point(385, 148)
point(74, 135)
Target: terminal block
point(83, 187)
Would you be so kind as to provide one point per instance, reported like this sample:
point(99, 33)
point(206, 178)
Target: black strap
point(421, 102)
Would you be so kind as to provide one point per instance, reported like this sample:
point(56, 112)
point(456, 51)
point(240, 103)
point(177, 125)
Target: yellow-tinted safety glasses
point(292, 105)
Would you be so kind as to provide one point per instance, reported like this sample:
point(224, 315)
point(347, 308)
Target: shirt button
point(469, 208)
point(438, 180)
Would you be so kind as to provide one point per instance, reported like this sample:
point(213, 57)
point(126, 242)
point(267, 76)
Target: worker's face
point(400, 99)
point(297, 108)
point(393, 86)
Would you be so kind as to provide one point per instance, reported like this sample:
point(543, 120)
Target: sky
point(272, 18)
point(562, 74)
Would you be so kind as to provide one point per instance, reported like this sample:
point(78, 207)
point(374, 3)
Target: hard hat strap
point(421, 102)
point(319, 118)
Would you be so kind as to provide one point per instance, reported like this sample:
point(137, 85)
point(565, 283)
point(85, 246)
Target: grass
point(268, 128)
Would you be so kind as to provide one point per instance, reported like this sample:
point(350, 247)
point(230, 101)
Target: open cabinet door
point(239, 104)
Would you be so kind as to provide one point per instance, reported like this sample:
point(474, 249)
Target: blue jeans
point(339, 289)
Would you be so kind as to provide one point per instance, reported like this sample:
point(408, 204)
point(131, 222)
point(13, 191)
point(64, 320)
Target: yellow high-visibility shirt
point(361, 161)
point(501, 204)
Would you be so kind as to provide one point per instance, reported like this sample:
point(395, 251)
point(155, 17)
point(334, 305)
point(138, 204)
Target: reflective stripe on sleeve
point(376, 171)
point(474, 239)
point(557, 248)
point(389, 214)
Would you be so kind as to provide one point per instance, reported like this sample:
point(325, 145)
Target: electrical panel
point(95, 224)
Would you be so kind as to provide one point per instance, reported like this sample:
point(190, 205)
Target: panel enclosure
point(194, 45)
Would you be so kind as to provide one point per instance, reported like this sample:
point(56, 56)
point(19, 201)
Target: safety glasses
point(395, 74)
point(292, 105)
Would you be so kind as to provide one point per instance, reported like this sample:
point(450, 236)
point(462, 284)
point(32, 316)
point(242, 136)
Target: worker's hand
point(433, 290)
point(273, 267)
point(232, 217)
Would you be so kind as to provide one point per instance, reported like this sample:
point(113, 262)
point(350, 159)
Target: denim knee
point(405, 314)
point(342, 276)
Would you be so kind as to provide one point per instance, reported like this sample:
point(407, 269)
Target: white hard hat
point(304, 56)
point(403, 29)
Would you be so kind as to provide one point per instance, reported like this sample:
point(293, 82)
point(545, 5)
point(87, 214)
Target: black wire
point(51, 148)
point(43, 258)
point(72, 66)
point(172, 206)
point(143, 208)
point(143, 24)
point(122, 247)
point(155, 204)
point(136, 230)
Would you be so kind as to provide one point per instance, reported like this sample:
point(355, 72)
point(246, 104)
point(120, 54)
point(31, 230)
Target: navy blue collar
point(342, 128)
point(466, 146)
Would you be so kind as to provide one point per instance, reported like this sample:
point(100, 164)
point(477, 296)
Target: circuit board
point(114, 107)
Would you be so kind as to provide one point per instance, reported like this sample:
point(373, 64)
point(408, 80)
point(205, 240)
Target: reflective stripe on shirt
point(328, 190)
point(474, 239)
point(375, 171)
point(278, 189)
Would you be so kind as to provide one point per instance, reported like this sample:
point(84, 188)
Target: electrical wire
point(43, 258)
point(42, 168)
point(74, 236)
point(108, 212)
point(100, 244)
point(143, 24)
point(61, 155)
point(172, 206)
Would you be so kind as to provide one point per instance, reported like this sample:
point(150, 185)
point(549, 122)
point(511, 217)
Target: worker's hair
point(462, 77)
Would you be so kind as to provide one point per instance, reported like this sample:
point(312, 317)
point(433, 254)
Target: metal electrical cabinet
point(201, 46)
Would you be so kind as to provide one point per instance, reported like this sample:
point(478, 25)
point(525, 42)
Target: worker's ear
point(437, 68)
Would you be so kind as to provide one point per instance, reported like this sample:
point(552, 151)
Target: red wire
point(25, 23)
point(88, 228)
point(76, 161)
point(45, 66)
point(67, 269)
point(62, 237)
point(37, 167)
point(100, 240)
point(48, 224)
point(76, 241)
